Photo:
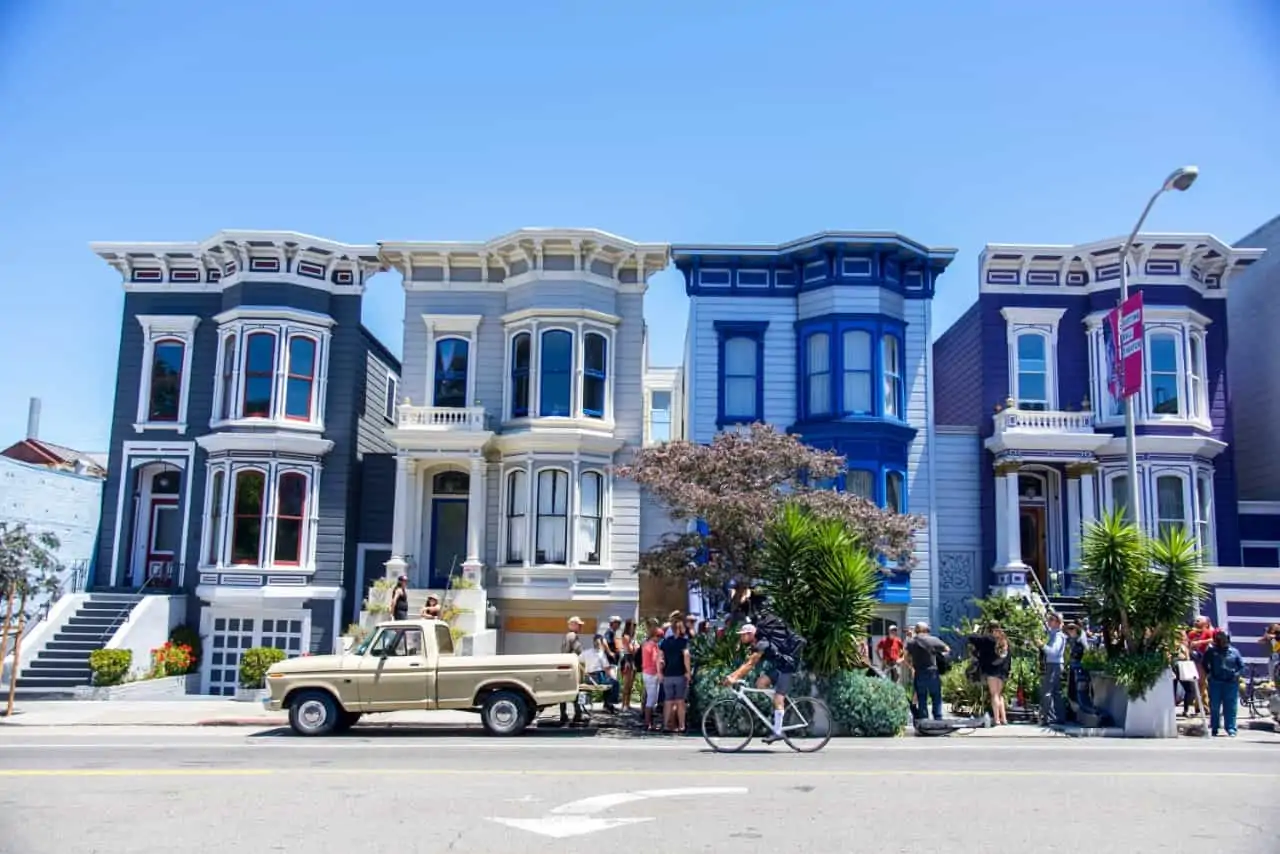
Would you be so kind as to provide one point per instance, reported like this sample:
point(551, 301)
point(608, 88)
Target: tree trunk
point(4, 629)
point(17, 650)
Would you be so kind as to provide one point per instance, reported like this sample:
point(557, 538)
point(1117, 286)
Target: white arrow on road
point(577, 818)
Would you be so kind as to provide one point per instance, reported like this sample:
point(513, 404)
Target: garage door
point(231, 635)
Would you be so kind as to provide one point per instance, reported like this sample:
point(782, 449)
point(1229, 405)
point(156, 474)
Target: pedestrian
point(599, 672)
point(400, 598)
point(924, 650)
point(1187, 676)
point(1054, 647)
point(676, 668)
point(651, 676)
point(889, 649)
point(629, 656)
point(992, 647)
point(1223, 665)
point(1201, 638)
point(572, 645)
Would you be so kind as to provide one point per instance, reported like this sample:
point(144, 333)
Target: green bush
point(110, 666)
point(966, 698)
point(184, 635)
point(869, 707)
point(255, 663)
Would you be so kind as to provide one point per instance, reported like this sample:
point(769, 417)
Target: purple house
point(1023, 406)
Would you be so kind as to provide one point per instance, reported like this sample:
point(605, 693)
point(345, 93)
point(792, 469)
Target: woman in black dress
point(992, 649)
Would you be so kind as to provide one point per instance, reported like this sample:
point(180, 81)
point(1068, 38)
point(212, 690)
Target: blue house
point(826, 337)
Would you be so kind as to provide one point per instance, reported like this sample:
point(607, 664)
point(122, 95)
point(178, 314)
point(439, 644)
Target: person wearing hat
point(431, 608)
point(783, 660)
point(400, 598)
point(572, 645)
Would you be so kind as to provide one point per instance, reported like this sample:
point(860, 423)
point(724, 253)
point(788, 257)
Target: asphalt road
point(193, 791)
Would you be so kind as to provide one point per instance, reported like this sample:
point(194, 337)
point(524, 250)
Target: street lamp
point(1179, 180)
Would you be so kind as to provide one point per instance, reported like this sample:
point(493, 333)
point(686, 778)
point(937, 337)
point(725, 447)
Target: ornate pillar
point(1088, 495)
point(1073, 518)
point(399, 524)
point(473, 565)
point(1011, 572)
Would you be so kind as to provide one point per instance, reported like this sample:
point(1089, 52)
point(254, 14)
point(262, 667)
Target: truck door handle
point(415, 664)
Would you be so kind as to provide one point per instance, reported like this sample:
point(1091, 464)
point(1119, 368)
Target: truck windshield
point(364, 644)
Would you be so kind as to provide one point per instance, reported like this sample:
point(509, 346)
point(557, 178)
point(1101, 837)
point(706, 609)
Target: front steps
point(63, 664)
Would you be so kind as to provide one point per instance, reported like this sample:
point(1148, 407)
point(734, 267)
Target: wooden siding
point(1253, 363)
point(915, 376)
point(957, 510)
point(957, 371)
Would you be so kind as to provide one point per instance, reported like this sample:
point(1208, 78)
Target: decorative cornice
point(273, 442)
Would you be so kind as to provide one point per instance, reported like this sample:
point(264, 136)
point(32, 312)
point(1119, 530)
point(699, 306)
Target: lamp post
point(1179, 180)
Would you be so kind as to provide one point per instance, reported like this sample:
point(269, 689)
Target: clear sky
point(955, 123)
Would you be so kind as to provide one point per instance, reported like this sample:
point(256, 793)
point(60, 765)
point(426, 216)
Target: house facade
point(1024, 398)
point(826, 337)
point(247, 427)
point(523, 387)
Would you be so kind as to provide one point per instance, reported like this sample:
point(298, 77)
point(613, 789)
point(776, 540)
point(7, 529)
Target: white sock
point(777, 722)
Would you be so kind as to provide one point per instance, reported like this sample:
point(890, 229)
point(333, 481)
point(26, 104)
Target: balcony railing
point(470, 419)
point(1042, 421)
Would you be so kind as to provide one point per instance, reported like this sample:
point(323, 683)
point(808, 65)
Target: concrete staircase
point(62, 664)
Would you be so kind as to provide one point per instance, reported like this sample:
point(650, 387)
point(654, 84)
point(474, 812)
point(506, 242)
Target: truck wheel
point(346, 720)
point(505, 713)
point(314, 713)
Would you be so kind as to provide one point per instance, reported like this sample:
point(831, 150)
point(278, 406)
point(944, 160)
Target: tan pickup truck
point(409, 664)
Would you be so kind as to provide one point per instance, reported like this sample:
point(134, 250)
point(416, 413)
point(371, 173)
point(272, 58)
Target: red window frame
point(249, 374)
point(237, 515)
point(228, 376)
point(151, 384)
point(300, 518)
point(216, 500)
point(310, 379)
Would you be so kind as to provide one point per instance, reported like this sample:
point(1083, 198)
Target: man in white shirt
point(1051, 684)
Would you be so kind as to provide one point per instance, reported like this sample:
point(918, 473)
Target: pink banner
point(1129, 337)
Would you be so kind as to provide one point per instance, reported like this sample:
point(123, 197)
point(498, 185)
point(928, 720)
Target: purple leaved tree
point(737, 485)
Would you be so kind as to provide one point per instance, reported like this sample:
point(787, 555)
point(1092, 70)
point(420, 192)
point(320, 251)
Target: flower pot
point(1153, 715)
point(1108, 697)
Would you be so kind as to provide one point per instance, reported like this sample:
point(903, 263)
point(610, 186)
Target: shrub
point(966, 697)
point(357, 633)
point(170, 659)
point(255, 663)
point(868, 706)
point(110, 666)
point(184, 635)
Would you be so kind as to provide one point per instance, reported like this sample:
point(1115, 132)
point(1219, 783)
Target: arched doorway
point(1037, 504)
point(157, 533)
point(447, 546)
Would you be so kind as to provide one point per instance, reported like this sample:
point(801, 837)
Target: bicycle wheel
point(807, 725)
point(728, 725)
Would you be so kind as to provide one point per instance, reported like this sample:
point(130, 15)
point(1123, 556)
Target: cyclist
point(784, 657)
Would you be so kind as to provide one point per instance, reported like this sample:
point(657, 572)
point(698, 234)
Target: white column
point(472, 566)
point(1088, 498)
point(1000, 507)
point(531, 512)
point(1013, 527)
point(1073, 519)
point(396, 566)
point(413, 533)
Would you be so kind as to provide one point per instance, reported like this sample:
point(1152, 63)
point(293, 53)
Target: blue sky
point(955, 123)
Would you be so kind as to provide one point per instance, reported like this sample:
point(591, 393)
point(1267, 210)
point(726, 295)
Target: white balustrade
point(1043, 421)
point(453, 418)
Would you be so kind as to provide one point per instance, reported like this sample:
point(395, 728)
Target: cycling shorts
point(782, 681)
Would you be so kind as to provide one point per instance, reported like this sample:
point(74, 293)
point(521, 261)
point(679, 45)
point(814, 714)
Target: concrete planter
point(1153, 715)
point(170, 687)
point(250, 695)
point(1109, 697)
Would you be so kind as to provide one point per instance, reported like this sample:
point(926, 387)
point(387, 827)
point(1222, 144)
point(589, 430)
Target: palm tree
point(822, 584)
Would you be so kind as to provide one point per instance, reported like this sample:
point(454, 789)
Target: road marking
point(577, 818)
point(606, 772)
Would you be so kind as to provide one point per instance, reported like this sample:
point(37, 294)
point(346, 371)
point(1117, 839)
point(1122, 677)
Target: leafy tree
point(28, 572)
point(822, 584)
point(737, 485)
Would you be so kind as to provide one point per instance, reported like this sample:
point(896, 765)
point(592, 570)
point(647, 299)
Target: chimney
point(33, 419)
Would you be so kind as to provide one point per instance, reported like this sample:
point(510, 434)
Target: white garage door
point(231, 633)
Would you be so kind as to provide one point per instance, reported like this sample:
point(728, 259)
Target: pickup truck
point(410, 664)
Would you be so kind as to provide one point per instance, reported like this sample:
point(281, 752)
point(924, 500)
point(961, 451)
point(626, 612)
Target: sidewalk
point(198, 712)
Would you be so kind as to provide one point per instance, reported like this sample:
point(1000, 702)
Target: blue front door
point(448, 539)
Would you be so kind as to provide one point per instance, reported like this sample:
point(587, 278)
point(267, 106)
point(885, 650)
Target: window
point(1204, 516)
point(291, 506)
point(301, 380)
point(1120, 496)
point(246, 528)
point(1164, 374)
point(553, 506)
point(444, 640)
point(740, 378)
point(860, 482)
point(1171, 506)
point(894, 495)
point(389, 399)
point(1195, 379)
point(517, 514)
point(590, 515)
point(215, 518)
point(857, 372)
point(660, 416)
point(1032, 379)
point(819, 374)
point(892, 377)
point(166, 380)
point(595, 350)
point(228, 376)
point(451, 373)
point(554, 398)
point(520, 355)
point(259, 374)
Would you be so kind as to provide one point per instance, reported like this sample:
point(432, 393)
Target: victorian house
point(249, 414)
point(1024, 400)
point(523, 387)
point(827, 337)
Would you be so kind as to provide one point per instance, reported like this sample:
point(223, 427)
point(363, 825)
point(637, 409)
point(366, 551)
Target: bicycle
point(729, 724)
point(1256, 697)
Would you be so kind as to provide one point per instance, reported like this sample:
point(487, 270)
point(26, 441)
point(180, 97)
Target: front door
point(164, 530)
point(448, 539)
point(1035, 540)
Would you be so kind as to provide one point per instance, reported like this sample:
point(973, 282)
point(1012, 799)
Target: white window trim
point(899, 400)
point(284, 324)
point(391, 391)
point(1050, 378)
point(1020, 320)
point(1259, 544)
point(1209, 550)
point(574, 468)
point(462, 326)
point(809, 374)
point(1199, 400)
point(648, 415)
point(535, 327)
point(583, 471)
point(1179, 335)
point(1188, 499)
point(158, 327)
point(272, 470)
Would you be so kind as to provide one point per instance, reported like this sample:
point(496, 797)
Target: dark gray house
point(247, 459)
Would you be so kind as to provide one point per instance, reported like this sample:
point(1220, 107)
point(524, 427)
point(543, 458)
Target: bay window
point(819, 374)
point(166, 372)
point(892, 368)
point(594, 373)
point(553, 516)
point(521, 354)
point(1204, 516)
point(1171, 506)
point(1197, 398)
point(272, 365)
point(590, 517)
point(300, 381)
point(228, 376)
point(246, 524)
point(1163, 374)
point(1120, 496)
point(215, 504)
point(260, 514)
point(291, 507)
point(856, 355)
point(517, 515)
point(861, 483)
point(555, 381)
point(452, 357)
point(259, 375)
point(1031, 376)
point(894, 492)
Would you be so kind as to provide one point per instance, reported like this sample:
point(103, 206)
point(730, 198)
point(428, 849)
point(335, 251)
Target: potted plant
point(254, 665)
point(1139, 591)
